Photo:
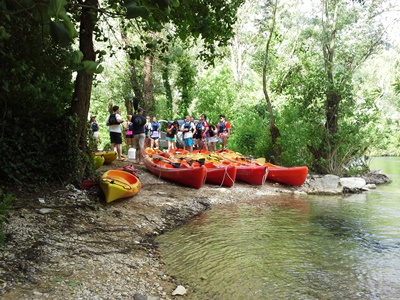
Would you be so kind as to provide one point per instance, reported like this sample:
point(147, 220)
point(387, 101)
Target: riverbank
point(70, 244)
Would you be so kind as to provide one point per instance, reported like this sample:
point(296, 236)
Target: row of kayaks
point(222, 168)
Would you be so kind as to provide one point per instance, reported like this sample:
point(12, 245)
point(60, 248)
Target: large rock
point(353, 184)
point(323, 185)
point(375, 177)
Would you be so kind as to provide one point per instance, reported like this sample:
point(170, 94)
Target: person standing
point(213, 139)
point(129, 132)
point(139, 122)
point(113, 122)
point(155, 133)
point(147, 127)
point(224, 131)
point(95, 127)
point(204, 135)
point(172, 131)
point(187, 129)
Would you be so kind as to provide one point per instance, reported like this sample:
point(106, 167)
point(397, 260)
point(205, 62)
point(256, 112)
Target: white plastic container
point(131, 153)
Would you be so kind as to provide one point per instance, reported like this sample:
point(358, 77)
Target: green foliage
point(38, 141)
point(5, 206)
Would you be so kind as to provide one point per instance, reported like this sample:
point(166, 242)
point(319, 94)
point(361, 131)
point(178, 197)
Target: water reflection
point(286, 247)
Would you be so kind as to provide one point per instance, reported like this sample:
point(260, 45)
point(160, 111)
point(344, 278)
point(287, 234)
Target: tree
point(208, 20)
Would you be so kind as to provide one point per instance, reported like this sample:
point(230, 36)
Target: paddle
point(162, 158)
point(190, 161)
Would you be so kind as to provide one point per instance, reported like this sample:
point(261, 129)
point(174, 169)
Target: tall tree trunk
point(332, 97)
point(274, 130)
point(83, 83)
point(132, 104)
point(148, 98)
point(168, 89)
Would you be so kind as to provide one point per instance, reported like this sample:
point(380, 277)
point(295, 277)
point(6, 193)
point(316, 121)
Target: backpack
point(112, 120)
point(95, 127)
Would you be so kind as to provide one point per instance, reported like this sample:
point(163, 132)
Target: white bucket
point(132, 153)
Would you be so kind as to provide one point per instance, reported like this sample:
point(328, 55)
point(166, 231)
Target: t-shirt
point(154, 129)
point(138, 123)
point(174, 130)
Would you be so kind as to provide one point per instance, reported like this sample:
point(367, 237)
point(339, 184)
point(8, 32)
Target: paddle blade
point(261, 160)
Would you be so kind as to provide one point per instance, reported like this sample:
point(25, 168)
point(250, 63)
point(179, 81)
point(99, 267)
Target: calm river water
point(293, 247)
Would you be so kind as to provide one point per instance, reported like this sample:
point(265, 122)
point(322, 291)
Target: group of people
point(135, 132)
point(140, 132)
point(204, 133)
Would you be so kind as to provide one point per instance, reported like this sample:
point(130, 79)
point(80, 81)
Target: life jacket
point(95, 127)
point(222, 127)
point(154, 126)
point(199, 128)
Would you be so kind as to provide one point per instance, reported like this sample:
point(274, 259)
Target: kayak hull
point(221, 174)
point(295, 176)
point(117, 184)
point(190, 176)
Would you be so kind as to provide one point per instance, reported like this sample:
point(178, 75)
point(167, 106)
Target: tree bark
point(83, 83)
point(274, 130)
point(148, 97)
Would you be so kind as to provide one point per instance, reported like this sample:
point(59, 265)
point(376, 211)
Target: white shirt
point(116, 127)
point(188, 134)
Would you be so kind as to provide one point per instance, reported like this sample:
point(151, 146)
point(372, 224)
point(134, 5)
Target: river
point(293, 247)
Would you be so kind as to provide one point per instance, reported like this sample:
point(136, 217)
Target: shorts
point(139, 140)
point(115, 137)
point(188, 142)
point(96, 134)
point(197, 135)
point(213, 139)
point(129, 136)
point(154, 138)
point(170, 139)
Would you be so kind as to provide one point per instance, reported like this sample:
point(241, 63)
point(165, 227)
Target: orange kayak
point(183, 174)
point(293, 176)
point(223, 174)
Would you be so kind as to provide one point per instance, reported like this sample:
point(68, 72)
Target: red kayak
point(220, 173)
point(191, 176)
point(293, 176)
point(248, 172)
point(223, 174)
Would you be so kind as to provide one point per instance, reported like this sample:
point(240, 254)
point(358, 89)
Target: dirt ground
point(69, 244)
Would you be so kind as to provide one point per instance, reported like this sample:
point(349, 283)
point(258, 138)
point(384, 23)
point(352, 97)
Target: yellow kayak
point(117, 184)
point(98, 161)
point(109, 156)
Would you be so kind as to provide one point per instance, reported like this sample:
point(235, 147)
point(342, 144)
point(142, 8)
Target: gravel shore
point(70, 244)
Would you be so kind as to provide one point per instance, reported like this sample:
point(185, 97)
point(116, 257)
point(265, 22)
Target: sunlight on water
point(291, 247)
